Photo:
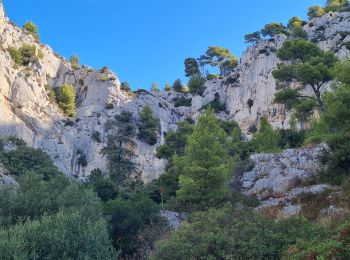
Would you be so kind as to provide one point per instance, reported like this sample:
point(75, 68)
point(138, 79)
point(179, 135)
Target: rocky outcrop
point(275, 174)
point(280, 181)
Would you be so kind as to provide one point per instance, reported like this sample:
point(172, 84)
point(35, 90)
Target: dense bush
point(197, 85)
point(24, 160)
point(66, 99)
point(74, 61)
point(32, 29)
point(266, 140)
point(24, 55)
point(185, 102)
point(65, 235)
point(125, 86)
point(127, 217)
point(148, 126)
point(235, 234)
point(177, 86)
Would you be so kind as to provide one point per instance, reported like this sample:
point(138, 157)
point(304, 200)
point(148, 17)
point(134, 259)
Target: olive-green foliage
point(266, 140)
point(191, 67)
point(333, 127)
point(273, 29)
point(65, 235)
point(291, 138)
point(174, 144)
point(24, 160)
point(177, 85)
point(154, 87)
point(182, 101)
point(51, 94)
point(32, 29)
point(75, 61)
point(167, 87)
point(127, 217)
point(175, 141)
point(16, 55)
point(148, 126)
point(234, 234)
point(295, 25)
point(119, 150)
point(203, 169)
point(219, 57)
point(334, 245)
point(295, 21)
point(37, 196)
point(311, 67)
point(252, 37)
point(66, 99)
point(336, 5)
point(197, 85)
point(103, 185)
point(315, 11)
point(125, 86)
point(24, 55)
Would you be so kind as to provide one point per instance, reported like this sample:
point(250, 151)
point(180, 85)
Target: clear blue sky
point(146, 41)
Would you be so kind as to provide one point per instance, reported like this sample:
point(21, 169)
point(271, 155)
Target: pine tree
point(266, 140)
point(67, 99)
point(148, 126)
point(119, 149)
point(203, 169)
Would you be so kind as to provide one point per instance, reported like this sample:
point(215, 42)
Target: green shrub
point(51, 94)
point(32, 29)
point(196, 85)
point(24, 160)
point(266, 140)
point(175, 141)
point(24, 55)
point(75, 61)
point(127, 218)
point(66, 235)
point(177, 86)
point(234, 234)
point(315, 11)
point(185, 102)
point(66, 99)
point(16, 55)
point(125, 86)
point(148, 126)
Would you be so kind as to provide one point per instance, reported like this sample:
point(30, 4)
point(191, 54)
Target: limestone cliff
point(25, 109)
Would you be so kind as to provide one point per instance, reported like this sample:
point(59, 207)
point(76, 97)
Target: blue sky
point(146, 41)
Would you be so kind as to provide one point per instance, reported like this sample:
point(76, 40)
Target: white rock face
point(25, 110)
point(274, 175)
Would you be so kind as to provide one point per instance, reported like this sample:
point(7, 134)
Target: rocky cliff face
point(25, 109)
point(249, 90)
